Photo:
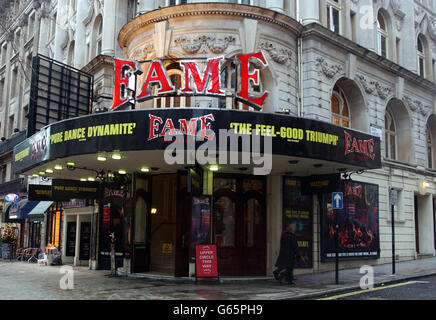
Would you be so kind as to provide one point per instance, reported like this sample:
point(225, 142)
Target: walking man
point(286, 258)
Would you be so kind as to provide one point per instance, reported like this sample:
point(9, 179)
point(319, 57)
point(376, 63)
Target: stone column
point(309, 11)
point(77, 251)
point(60, 31)
point(276, 5)
point(109, 26)
point(144, 6)
point(80, 35)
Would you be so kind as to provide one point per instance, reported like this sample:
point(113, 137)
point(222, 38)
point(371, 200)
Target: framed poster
point(359, 236)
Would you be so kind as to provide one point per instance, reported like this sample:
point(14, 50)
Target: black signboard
point(200, 223)
point(146, 130)
point(320, 184)
point(297, 208)
point(359, 236)
point(58, 92)
point(38, 192)
point(63, 190)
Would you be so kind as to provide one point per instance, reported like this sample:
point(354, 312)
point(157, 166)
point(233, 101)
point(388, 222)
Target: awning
point(21, 209)
point(37, 213)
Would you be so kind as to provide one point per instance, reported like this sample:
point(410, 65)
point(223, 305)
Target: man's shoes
point(276, 274)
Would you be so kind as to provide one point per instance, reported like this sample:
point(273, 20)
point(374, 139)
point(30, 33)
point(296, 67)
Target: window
point(382, 36)
point(241, 1)
point(421, 57)
point(228, 81)
point(339, 108)
point(175, 75)
point(3, 56)
point(31, 26)
point(333, 15)
point(175, 2)
point(98, 34)
point(17, 41)
point(429, 148)
point(53, 26)
point(11, 126)
point(390, 136)
point(14, 82)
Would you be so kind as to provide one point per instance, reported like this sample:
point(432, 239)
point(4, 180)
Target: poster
point(200, 223)
point(358, 223)
point(206, 262)
point(297, 208)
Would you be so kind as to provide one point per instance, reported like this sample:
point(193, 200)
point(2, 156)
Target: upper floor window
point(339, 108)
point(382, 36)
point(31, 25)
point(99, 38)
point(241, 1)
point(390, 136)
point(421, 57)
point(333, 15)
point(429, 148)
point(175, 2)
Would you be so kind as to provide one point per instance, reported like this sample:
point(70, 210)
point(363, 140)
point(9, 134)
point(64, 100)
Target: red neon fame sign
point(207, 82)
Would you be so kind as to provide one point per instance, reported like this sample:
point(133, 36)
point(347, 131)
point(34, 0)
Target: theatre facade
point(220, 132)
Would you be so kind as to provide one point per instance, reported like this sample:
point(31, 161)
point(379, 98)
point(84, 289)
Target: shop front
point(168, 179)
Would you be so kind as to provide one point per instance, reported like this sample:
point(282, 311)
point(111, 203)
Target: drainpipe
point(300, 93)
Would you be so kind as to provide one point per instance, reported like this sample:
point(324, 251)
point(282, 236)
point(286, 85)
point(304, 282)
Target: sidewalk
point(312, 286)
point(22, 280)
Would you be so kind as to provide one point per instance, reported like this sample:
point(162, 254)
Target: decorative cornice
point(142, 52)
point(315, 30)
point(281, 56)
point(207, 9)
point(328, 70)
point(201, 42)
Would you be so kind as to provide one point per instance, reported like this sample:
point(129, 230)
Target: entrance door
point(240, 225)
point(85, 240)
point(141, 242)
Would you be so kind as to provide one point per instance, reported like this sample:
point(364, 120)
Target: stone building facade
point(369, 65)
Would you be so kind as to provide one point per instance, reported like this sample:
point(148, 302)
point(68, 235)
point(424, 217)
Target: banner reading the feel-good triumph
point(147, 130)
point(358, 221)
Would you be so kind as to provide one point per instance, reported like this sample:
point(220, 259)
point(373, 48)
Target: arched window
point(382, 36)
point(429, 148)
point(421, 57)
point(339, 108)
point(230, 80)
point(390, 137)
point(177, 79)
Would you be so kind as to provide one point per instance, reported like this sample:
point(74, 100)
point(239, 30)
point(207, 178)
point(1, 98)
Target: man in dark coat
point(286, 258)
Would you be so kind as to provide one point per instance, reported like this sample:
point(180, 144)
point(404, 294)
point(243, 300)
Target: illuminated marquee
point(195, 83)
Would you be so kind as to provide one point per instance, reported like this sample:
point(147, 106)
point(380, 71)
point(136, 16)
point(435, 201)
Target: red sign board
point(206, 262)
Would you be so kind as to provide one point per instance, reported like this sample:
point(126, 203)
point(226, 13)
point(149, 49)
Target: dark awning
point(21, 209)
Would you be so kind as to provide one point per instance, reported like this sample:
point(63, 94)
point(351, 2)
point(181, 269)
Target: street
point(417, 289)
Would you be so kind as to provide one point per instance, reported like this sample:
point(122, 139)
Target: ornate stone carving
point(281, 56)
point(398, 13)
point(200, 43)
point(142, 52)
point(328, 70)
point(416, 105)
point(374, 87)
